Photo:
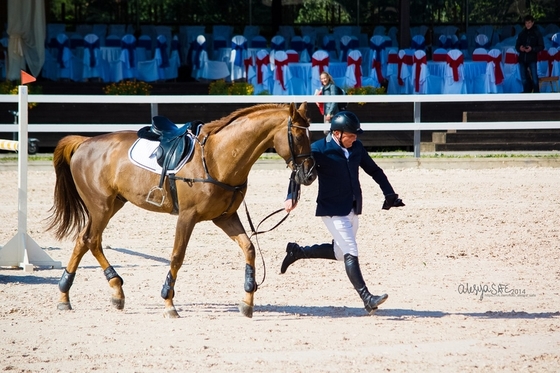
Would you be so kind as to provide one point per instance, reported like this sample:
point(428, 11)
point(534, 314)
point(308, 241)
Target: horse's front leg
point(183, 231)
point(232, 226)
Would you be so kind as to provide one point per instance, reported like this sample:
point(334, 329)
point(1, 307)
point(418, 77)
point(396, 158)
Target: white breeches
point(343, 230)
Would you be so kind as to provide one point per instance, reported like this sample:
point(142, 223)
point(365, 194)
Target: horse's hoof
point(64, 306)
point(117, 303)
point(246, 310)
point(171, 313)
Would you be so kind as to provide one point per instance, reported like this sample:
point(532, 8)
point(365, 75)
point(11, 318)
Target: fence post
point(154, 108)
point(417, 132)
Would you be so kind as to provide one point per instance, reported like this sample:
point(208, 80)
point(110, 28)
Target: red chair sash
point(293, 57)
point(279, 71)
point(376, 65)
point(454, 64)
point(321, 63)
point(439, 57)
point(511, 58)
point(419, 62)
point(480, 57)
point(498, 73)
point(395, 58)
point(543, 55)
point(247, 62)
point(260, 62)
point(357, 69)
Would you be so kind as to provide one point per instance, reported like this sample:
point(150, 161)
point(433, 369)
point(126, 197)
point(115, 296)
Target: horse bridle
point(293, 156)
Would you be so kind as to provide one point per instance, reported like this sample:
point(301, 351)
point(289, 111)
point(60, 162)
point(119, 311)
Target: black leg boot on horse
point(371, 302)
point(295, 252)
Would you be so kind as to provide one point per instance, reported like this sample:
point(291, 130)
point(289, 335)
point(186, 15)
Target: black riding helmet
point(346, 121)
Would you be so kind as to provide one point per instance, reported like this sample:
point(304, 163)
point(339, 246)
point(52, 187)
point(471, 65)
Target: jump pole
point(21, 251)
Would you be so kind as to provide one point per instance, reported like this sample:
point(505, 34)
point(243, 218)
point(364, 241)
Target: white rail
point(415, 126)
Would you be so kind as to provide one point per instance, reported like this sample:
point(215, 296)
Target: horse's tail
point(68, 213)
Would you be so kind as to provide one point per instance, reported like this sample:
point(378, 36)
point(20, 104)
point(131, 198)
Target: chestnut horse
point(95, 178)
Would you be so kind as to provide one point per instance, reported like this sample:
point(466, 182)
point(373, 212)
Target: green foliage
point(220, 87)
point(241, 89)
point(365, 90)
point(124, 88)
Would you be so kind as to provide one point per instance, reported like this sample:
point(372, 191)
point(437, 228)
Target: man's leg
point(534, 77)
point(524, 78)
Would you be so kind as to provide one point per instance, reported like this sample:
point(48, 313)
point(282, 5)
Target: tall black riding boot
point(371, 302)
point(295, 252)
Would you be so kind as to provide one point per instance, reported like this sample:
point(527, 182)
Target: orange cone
point(27, 78)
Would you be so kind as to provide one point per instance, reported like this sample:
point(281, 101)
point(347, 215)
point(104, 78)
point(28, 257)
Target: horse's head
point(295, 145)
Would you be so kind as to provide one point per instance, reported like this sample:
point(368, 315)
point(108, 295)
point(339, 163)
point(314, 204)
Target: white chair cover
point(494, 72)
point(319, 63)
point(512, 77)
point(283, 83)
point(399, 72)
point(277, 43)
point(199, 57)
point(491, 37)
point(346, 45)
point(418, 42)
point(94, 65)
point(480, 83)
point(128, 57)
point(454, 75)
point(422, 81)
point(187, 40)
point(482, 41)
point(167, 67)
point(353, 76)
point(260, 74)
point(379, 52)
point(61, 63)
point(548, 66)
point(237, 57)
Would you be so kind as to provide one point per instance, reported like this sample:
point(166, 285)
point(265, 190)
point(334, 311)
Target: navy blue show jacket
point(339, 185)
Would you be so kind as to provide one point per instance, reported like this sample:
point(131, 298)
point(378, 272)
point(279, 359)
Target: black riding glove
point(392, 200)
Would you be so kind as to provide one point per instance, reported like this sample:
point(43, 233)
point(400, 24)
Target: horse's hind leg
point(90, 239)
point(234, 229)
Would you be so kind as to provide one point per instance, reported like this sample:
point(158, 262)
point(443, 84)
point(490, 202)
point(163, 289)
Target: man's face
point(529, 24)
point(347, 138)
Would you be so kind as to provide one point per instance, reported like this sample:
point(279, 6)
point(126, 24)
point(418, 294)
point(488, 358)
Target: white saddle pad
point(143, 154)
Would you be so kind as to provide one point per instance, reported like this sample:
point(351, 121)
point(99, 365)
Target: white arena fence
point(417, 126)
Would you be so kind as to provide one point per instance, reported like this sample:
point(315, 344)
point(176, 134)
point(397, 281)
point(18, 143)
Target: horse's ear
point(303, 109)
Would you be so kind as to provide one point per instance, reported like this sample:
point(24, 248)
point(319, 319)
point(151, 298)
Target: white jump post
point(21, 251)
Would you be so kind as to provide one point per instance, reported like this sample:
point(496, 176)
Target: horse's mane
point(217, 125)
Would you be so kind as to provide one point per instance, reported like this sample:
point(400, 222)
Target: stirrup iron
point(156, 196)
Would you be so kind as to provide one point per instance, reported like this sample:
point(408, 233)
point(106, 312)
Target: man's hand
point(289, 205)
point(392, 200)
